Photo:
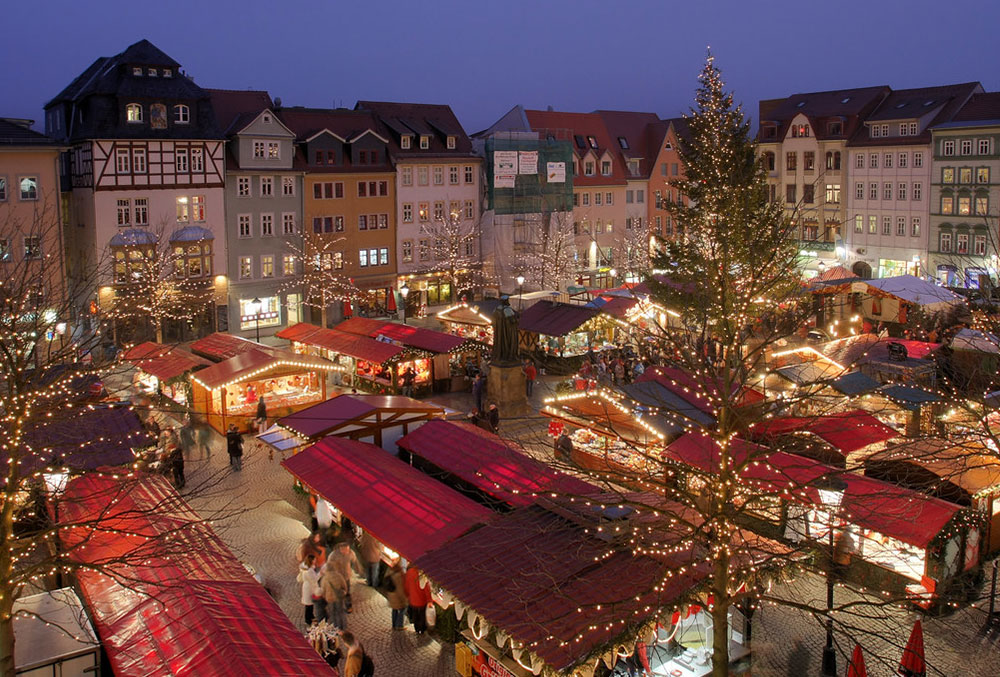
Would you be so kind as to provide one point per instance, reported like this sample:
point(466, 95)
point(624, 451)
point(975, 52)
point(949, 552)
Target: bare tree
point(321, 280)
point(548, 259)
point(455, 248)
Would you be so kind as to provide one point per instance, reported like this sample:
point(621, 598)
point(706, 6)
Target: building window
point(243, 186)
point(808, 193)
point(873, 160)
point(833, 193)
point(122, 165)
point(947, 204)
point(886, 225)
point(4, 250)
point(124, 213)
point(198, 207)
point(887, 161)
point(810, 231)
point(873, 191)
point(887, 191)
point(363, 222)
point(273, 150)
point(258, 149)
point(470, 209)
point(982, 175)
point(966, 146)
point(964, 205)
point(363, 258)
point(901, 191)
point(425, 249)
point(245, 226)
point(470, 176)
point(181, 160)
point(267, 186)
point(288, 265)
point(406, 173)
point(859, 224)
point(266, 225)
point(903, 157)
point(3, 188)
point(916, 192)
point(809, 161)
point(791, 161)
point(872, 224)
point(918, 160)
point(790, 193)
point(453, 176)
point(32, 247)
point(629, 197)
point(984, 146)
point(246, 267)
point(962, 243)
point(439, 176)
point(965, 175)
point(859, 160)
point(598, 198)
point(407, 250)
point(288, 186)
point(900, 225)
point(768, 163)
point(859, 191)
point(948, 175)
point(875, 131)
point(183, 210)
point(605, 168)
point(267, 265)
point(139, 160)
point(439, 211)
point(948, 147)
point(288, 223)
point(424, 212)
point(800, 131)
point(588, 168)
point(979, 242)
point(133, 112)
point(586, 199)
point(422, 176)
point(982, 205)
point(407, 212)
point(197, 160)
point(182, 114)
point(425, 142)
point(404, 142)
point(945, 242)
point(383, 256)
point(141, 205)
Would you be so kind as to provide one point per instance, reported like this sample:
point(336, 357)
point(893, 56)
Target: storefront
point(562, 329)
point(265, 315)
point(162, 370)
point(228, 392)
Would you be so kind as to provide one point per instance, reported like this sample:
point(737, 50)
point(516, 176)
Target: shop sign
point(493, 668)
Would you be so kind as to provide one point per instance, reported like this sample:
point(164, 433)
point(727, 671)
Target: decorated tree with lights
point(633, 252)
point(320, 278)
point(455, 247)
point(549, 259)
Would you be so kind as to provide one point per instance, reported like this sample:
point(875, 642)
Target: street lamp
point(614, 274)
point(520, 291)
point(255, 306)
point(831, 493)
point(405, 291)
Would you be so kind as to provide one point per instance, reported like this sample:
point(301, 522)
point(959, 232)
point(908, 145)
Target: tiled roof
point(985, 106)
point(576, 127)
point(638, 131)
point(229, 104)
point(846, 104)
point(435, 120)
point(16, 134)
point(907, 104)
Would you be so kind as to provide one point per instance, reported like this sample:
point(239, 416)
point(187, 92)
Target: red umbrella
point(856, 668)
point(913, 664)
point(347, 308)
point(391, 301)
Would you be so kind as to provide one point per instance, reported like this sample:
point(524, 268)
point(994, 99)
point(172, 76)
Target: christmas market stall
point(54, 636)
point(228, 392)
point(401, 507)
point(470, 320)
point(842, 439)
point(886, 360)
point(181, 603)
point(562, 329)
point(367, 364)
point(963, 472)
point(163, 370)
point(447, 357)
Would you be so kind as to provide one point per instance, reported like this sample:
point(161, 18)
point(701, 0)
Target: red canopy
point(845, 431)
point(347, 308)
point(178, 606)
point(220, 346)
point(553, 318)
point(163, 362)
point(344, 343)
point(913, 663)
point(399, 505)
point(254, 363)
point(489, 463)
point(407, 335)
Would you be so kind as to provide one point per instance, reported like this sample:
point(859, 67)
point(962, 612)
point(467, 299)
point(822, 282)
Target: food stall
point(227, 392)
point(162, 370)
point(474, 321)
point(843, 439)
point(563, 329)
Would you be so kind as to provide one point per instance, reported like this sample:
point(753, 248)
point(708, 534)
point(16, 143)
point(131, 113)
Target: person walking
point(409, 376)
point(371, 554)
point(261, 417)
point(356, 663)
point(175, 461)
point(187, 435)
point(395, 593)
point(493, 416)
point(477, 391)
point(312, 545)
point(334, 593)
point(345, 562)
point(308, 576)
point(418, 598)
point(203, 438)
point(530, 373)
point(234, 445)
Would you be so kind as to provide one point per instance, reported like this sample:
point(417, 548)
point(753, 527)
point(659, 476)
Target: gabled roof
point(910, 104)
point(437, 121)
point(846, 105)
point(20, 133)
point(231, 105)
point(576, 128)
point(552, 318)
point(982, 107)
point(638, 130)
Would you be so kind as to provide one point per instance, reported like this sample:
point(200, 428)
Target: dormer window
point(133, 112)
point(588, 168)
point(875, 131)
point(592, 140)
point(800, 131)
point(835, 128)
point(137, 71)
point(769, 132)
point(152, 72)
point(913, 129)
point(182, 114)
point(606, 168)
point(167, 73)
point(633, 167)
point(404, 142)
point(425, 142)
point(451, 143)
point(623, 142)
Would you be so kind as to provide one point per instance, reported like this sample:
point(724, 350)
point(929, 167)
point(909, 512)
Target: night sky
point(483, 58)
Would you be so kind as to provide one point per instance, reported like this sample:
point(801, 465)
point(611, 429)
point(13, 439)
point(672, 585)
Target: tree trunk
point(6, 637)
point(720, 618)
point(7, 588)
point(158, 325)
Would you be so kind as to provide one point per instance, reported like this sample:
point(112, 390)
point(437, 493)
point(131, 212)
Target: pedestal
point(505, 386)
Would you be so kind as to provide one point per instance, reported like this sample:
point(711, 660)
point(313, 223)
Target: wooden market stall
point(227, 392)
point(562, 329)
point(842, 439)
point(163, 370)
point(886, 360)
point(470, 320)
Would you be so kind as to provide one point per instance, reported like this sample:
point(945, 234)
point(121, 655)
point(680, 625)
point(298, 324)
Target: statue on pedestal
point(505, 335)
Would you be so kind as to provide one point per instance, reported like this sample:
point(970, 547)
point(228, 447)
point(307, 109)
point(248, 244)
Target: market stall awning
point(164, 362)
point(598, 411)
point(617, 306)
point(477, 314)
point(299, 332)
point(145, 351)
point(909, 397)
point(86, 438)
point(399, 505)
point(552, 318)
point(854, 383)
point(917, 291)
point(356, 413)
point(845, 431)
point(414, 337)
point(257, 362)
point(806, 373)
point(854, 351)
point(220, 346)
point(540, 577)
point(341, 342)
point(182, 605)
point(967, 464)
point(489, 463)
point(662, 401)
point(904, 514)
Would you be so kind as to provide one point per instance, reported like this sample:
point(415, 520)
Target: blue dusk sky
point(482, 58)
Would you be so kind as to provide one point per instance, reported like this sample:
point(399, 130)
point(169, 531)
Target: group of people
point(616, 366)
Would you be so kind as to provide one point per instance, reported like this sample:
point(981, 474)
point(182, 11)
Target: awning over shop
point(854, 351)
point(220, 346)
point(343, 343)
point(257, 362)
point(86, 439)
point(489, 463)
point(807, 373)
point(538, 575)
point(917, 291)
point(552, 318)
point(909, 397)
point(437, 342)
point(399, 505)
point(164, 362)
point(660, 400)
point(477, 314)
point(356, 415)
point(845, 431)
point(854, 383)
point(182, 605)
point(966, 464)
point(603, 414)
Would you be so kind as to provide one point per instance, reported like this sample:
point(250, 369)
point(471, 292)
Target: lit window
point(29, 188)
point(246, 267)
point(183, 210)
point(133, 112)
point(243, 186)
point(425, 142)
point(267, 265)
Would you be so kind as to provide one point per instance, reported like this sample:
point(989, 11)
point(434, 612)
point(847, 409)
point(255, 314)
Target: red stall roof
point(354, 345)
point(552, 318)
point(399, 505)
point(408, 335)
point(345, 414)
point(219, 346)
point(185, 606)
point(255, 361)
point(498, 467)
point(300, 332)
point(532, 571)
point(845, 431)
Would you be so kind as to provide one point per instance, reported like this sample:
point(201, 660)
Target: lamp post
point(520, 291)
point(404, 291)
point(614, 274)
point(255, 306)
point(831, 492)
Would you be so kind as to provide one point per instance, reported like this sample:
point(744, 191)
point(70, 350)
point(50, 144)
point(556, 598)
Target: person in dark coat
point(175, 461)
point(409, 376)
point(234, 444)
point(477, 391)
point(261, 416)
point(493, 416)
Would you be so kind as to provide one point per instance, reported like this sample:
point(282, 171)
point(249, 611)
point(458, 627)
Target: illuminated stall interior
point(563, 329)
point(472, 321)
point(161, 370)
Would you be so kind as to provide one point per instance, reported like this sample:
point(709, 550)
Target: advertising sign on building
point(555, 172)
point(504, 168)
point(527, 162)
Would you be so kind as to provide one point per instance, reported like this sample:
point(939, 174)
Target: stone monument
point(505, 385)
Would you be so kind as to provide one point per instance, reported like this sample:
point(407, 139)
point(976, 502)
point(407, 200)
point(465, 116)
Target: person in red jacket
point(418, 598)
point(530, 374)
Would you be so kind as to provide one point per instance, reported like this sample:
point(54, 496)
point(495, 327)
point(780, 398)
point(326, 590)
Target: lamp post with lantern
point(520, 291)
point(831, 493)
point(404, 292)
point(255, 307)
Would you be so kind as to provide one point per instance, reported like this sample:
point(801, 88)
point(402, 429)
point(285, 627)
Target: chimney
point(549, 108)
point(277, 102)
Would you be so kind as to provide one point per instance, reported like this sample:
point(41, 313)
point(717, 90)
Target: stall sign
point(491, 667)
